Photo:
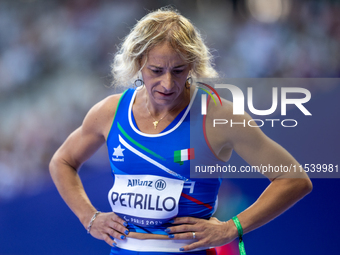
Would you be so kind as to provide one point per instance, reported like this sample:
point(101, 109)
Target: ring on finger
point(193, 235)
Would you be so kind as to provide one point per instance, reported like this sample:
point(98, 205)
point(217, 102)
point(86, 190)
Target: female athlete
point(156, 206)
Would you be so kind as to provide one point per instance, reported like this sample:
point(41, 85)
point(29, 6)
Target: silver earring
point(138, 84)
point(188, 82)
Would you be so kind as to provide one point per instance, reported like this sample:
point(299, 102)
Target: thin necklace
point(155, 123)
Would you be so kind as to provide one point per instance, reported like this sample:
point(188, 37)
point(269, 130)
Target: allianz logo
point(159, 184)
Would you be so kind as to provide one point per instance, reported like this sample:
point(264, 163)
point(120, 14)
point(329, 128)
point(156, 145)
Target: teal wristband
point(240, 234)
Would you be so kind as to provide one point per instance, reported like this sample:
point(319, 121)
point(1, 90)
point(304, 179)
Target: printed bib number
point(145, 200)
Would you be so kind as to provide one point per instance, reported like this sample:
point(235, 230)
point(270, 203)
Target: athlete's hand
point(107, 226)
point(208, 233)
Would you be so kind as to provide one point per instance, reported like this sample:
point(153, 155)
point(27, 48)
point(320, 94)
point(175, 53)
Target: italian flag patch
point(183, 155)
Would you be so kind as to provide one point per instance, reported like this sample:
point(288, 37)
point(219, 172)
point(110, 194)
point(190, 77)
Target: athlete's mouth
point(166, 94)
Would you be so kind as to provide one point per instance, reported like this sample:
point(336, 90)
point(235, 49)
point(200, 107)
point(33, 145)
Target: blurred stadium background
point(55, 61)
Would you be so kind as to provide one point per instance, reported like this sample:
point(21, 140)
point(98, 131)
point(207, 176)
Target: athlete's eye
point(178, 71)
point(156, 71)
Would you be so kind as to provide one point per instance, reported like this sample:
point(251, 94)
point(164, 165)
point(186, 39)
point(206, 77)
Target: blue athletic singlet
point(152, 183)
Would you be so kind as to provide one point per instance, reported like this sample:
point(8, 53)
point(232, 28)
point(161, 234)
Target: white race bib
point(145, 200)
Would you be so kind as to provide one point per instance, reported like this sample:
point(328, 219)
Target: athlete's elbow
point(53, 166)
point(308, 186)
point(303, 186)
point(58, 165)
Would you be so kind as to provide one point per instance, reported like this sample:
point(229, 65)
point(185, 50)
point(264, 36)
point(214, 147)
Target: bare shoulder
point(100, 116)
point(227, 127)
point(82, 143)
point(106, 107)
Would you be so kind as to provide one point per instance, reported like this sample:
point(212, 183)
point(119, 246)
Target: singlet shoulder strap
point(123, 96)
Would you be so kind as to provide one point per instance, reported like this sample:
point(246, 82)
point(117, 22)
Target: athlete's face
point(164, 75)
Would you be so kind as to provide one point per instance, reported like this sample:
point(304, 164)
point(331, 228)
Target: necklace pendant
point(155, 123)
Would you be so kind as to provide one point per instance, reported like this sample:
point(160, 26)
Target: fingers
point(201, 241)
point(187, 235)
point(185, 224)
point(205, 233)
point(114, 233)
point(181, 230)
point(108, 226)
point(193, 246)
point(185, 220)
point(118, 228)
point(189, 229)
point(118, 219)
point(109, 241)
point(190, 235)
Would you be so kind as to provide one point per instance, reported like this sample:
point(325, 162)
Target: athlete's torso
point(145, 166)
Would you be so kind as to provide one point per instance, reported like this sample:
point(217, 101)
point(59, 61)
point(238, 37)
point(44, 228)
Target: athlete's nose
point(167, 81)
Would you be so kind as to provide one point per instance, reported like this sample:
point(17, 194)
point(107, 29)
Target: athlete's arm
point(77, 148)
point(285, 189)
point(256, 148)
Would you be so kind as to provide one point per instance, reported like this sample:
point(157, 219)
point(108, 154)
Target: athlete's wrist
point(92, 220)
point(85, 217)
point(231, 231)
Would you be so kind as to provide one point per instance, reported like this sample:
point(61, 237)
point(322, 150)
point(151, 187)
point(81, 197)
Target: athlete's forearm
point(71, 190)
point(279, 196)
